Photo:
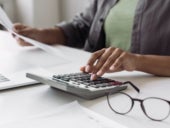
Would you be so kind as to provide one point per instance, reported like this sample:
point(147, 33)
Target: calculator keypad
point(83, 80)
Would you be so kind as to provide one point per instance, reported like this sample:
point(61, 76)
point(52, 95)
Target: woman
point(123, 34)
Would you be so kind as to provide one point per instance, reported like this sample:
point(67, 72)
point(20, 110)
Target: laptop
point(18, 79)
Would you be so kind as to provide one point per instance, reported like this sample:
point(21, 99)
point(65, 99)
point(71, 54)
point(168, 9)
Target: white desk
point(27, 101)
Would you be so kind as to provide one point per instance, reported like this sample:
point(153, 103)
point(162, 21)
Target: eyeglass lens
point(154, 108)
point(120, 103)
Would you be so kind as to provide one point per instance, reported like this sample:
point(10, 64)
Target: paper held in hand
point(7, 23)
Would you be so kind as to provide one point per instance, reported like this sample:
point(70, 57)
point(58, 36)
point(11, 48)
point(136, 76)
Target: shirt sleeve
point(77, 31)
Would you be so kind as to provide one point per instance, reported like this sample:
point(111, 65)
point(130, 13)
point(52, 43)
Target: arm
point(154, 64)
point(114, 59)
point(49, 36)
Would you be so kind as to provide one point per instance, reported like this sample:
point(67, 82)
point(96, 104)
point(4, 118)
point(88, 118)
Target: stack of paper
point(71, 115)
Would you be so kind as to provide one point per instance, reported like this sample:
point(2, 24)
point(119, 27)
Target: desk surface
point(31, 100)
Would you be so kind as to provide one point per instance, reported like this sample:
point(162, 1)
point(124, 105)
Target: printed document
point(71, 115)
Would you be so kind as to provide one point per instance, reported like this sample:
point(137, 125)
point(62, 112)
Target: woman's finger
point(95, 57)
point(18, 27)
point(22, 42)
point(102, 60)
point(110, 60)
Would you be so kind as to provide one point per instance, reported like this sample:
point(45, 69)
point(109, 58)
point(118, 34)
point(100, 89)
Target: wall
point(9, 6)
point(71, 7)
point(25, 11)
point(43, 13)
point(39, 13)
point(46, 12)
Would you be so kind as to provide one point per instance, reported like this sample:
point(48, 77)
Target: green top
point(118, 24)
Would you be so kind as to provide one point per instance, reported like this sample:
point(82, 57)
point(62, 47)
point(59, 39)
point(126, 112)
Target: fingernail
point(93, 77)
point(99, 73)
point(112, 68)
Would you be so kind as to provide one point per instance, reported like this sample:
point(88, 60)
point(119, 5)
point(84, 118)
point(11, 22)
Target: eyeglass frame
point(139, 100)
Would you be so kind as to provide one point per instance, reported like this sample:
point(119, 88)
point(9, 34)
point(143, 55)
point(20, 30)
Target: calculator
point(79, 84)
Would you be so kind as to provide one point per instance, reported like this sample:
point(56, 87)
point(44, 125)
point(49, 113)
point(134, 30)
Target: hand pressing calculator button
point(80, 84)
point(83, 79)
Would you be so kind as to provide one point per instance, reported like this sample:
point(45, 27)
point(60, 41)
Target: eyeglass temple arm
point(136, 88)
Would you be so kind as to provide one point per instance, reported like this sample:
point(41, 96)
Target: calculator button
point(82, 80)
point(86, 83)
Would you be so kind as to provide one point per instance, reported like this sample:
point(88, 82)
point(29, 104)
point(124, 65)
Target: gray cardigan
point(151, 29)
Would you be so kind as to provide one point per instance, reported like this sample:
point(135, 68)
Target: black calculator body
point(80, 84)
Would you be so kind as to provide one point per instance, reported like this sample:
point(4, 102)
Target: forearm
point(53, 36)
point(157, 65)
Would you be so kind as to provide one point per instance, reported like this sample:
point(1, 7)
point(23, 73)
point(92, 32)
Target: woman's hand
point(110, 60)
point(48, 36)
point(22, 30)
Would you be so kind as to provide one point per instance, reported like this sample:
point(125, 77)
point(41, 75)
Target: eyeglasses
point(156, 109)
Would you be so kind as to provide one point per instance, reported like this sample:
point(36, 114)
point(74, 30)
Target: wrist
point(138, 62)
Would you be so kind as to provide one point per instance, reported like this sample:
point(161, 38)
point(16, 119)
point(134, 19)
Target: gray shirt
point(151, 29)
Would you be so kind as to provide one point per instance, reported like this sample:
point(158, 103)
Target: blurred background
point(42, 13)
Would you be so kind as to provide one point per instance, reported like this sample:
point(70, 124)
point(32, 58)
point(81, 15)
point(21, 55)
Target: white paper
point(44, 47)
point(68, 116)
point(6, 22)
